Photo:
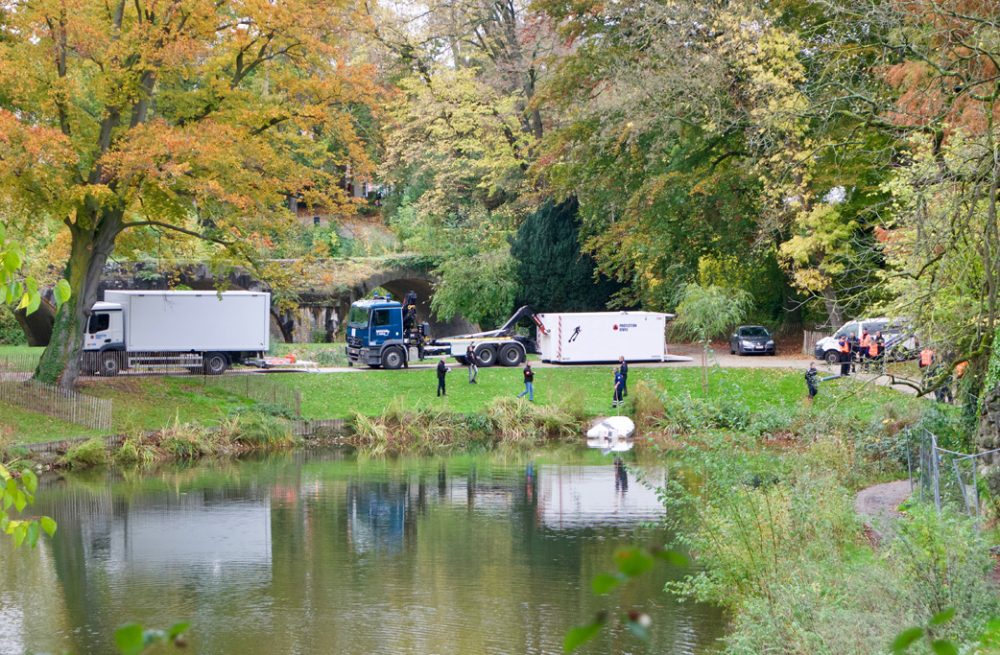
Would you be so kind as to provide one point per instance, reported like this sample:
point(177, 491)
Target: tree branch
point(177, 228)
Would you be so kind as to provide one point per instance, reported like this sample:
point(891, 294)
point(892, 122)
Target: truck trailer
point(203, 331)
point(603, 337)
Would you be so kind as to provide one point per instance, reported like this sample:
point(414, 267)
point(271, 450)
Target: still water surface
point(318, 552)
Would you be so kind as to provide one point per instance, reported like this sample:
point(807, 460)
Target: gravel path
point(878, 504)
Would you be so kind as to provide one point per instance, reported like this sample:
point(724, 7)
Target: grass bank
point(237, 434)
point(767, 501)
point(151, 403)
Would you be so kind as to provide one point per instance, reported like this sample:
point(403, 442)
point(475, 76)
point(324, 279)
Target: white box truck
point(603, 337)
point(203, 331)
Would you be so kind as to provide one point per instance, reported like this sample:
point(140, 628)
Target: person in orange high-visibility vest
point(960, 369)
point(926, 357)
point(863, 345)
point(845, 355)
point(875, 348)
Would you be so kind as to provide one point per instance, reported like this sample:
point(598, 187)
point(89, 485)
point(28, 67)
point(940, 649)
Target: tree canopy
point(196, 118)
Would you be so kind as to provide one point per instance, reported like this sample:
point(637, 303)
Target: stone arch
point(37, 326)
point(399, 282)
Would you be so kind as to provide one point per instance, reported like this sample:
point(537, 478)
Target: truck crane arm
point(507, 329)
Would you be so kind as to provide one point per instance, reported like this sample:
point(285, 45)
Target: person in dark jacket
point(623, 369)
point(811, 382)
point(470, 357)
point(616, 399)
point(529, 384)
point(442, 370)
point(844, 346)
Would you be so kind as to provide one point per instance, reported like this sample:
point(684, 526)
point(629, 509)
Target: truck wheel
point(463, 360)
point(111, 363)
point(215, 364)
point(832, 357)
point(486, 356)
point(393, 358)
point(511, 355)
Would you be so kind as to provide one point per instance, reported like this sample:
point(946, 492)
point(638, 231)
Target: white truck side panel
point(201, 321)
point(603, 337)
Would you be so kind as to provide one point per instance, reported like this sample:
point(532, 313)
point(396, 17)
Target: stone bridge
point(311, 308)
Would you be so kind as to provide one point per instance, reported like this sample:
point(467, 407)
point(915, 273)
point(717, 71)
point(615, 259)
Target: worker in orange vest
point(845, 355)
point(960, 369)
point(863, 345)
point(875, 347)
point(926, 358)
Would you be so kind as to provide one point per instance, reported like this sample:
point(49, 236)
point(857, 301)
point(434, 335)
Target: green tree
point(199, 119)
point(553, 274)
point(706, 313)
point(480, 286)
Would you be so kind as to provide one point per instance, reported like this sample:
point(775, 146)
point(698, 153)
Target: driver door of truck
point(384, 328)
point(104, 330)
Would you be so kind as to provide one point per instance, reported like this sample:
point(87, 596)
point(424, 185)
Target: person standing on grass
point(812, 384)
point(442, 370)
point(470, 356)
point(529, 384)
point(616, 398)
point(623, 369)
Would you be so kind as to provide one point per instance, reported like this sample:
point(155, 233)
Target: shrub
point(648, 404)
point(257, 430)
point(746, 535)
point(827, 607)
point(11, 333)
point(689, 414)
point(90, 453)
point(944, 561)
point(134, 451)
point(185, 441)
point(506, 422)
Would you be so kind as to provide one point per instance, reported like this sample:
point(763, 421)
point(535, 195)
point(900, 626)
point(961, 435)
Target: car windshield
point(358, 316)
point(847, 330)
point(753, 332)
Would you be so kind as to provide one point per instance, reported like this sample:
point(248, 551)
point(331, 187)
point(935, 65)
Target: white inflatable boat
point(612, 434)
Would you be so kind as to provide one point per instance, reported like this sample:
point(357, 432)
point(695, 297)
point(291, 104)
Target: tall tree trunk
point(834, 314)
point(89, 251)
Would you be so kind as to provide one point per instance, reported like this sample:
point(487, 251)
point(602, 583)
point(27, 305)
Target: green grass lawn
point(23, 426)
point(370, 392)
point(149, 403)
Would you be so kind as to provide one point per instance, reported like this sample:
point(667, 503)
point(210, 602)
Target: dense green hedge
point(11, 333)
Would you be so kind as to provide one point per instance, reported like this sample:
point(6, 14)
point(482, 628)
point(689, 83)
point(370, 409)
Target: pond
point(322, 552)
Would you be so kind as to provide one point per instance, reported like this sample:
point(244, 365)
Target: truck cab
point(375, 335)
point(105, 328)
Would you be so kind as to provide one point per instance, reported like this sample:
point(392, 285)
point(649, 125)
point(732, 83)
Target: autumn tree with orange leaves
point(932, 85)
point(183, 116)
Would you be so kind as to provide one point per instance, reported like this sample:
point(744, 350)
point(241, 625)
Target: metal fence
point(943, 476)
point(70, 406)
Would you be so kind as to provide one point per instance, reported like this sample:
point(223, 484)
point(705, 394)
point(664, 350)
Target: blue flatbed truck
point(378, 336)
